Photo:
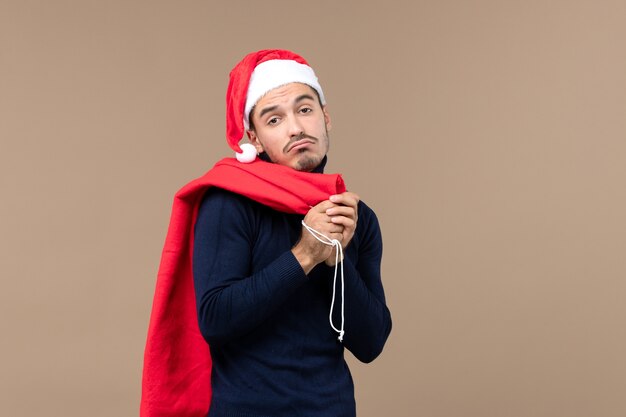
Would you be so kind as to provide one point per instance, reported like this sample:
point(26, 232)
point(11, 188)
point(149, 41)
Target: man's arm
point(368, 320)
point(230, 301)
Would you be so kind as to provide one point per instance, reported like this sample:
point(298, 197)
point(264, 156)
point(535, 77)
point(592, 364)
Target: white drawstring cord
point(338, 261)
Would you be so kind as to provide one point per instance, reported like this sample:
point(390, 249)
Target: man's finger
point(323, 206)
point(346, 199)
point(341, 211)
point(346, 222)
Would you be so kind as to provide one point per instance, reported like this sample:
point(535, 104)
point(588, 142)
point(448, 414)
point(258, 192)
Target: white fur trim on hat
point(275, 73)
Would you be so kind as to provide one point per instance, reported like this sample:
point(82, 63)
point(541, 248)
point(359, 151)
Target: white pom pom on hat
point(255, 75)
point(247, 154)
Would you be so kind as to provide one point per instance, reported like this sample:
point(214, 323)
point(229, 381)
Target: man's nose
point(295, 127)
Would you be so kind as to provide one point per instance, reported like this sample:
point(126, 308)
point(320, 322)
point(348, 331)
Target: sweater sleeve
point(367, 318)
point(231, 300)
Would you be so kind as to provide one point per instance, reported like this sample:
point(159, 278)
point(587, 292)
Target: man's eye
point(306, 110)
point(272, 121)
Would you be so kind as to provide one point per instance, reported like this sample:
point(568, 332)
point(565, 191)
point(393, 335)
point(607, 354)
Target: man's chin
point(307, 163)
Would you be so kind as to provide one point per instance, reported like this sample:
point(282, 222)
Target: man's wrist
point(332, 259)
point(304, 259)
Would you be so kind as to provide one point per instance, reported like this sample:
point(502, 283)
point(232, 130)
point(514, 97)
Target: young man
point(279, 292)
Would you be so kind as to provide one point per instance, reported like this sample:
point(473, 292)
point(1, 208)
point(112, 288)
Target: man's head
point(275, 97)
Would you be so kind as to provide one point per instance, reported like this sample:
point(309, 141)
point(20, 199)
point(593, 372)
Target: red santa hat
point(256, 74)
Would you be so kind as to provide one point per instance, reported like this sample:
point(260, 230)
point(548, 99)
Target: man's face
point(291, 126)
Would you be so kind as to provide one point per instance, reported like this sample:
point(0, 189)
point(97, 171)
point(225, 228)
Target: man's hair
point(251, 123)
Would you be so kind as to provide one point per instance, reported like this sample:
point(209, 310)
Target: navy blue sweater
point(266, 322)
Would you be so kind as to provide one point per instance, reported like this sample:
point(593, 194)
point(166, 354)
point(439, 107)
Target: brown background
point(488, 135)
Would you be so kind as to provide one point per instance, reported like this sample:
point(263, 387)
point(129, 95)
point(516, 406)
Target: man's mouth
point(298, 143)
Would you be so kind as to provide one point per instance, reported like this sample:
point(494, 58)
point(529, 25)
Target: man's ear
point(326, 117)
point(254, 140)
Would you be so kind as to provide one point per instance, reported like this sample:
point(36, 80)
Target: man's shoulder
point(366, 212)
point(368, 227)
point(230, 203)
point(224, 201)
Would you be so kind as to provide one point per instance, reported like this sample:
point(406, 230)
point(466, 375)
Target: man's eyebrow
point(267, 110)
point(297, 100)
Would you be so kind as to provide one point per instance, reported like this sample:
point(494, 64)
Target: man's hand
point(344, 213)
point(336, 218)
